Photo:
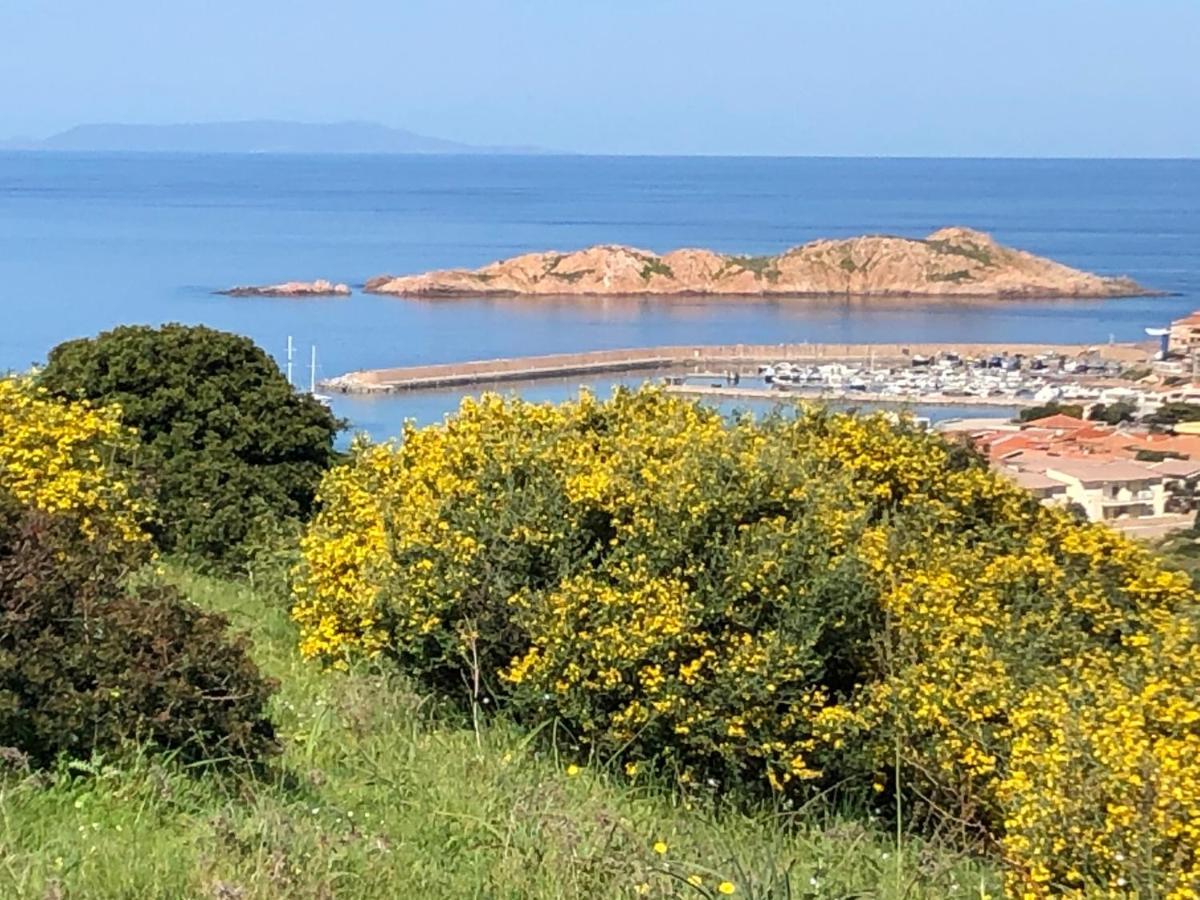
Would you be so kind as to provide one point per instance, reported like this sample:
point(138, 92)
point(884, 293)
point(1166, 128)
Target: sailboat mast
point(291, 353)
point(312, 380)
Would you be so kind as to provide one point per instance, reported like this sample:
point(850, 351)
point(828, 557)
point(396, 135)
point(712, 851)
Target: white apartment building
point(1115, 489)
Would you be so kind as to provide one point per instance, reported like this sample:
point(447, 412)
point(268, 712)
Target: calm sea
point(92, 241)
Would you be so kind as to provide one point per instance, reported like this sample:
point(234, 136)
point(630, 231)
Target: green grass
point(382, 794)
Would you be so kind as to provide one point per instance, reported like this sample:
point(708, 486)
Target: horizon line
point(540, 154)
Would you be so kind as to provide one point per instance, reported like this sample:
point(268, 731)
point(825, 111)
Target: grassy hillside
point(382, 794)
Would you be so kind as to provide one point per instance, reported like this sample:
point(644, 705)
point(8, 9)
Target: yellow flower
point(726, 887)
point(572, 770)
point(660, 847)
point(695, 880)
point(63, 458)
point(1043, 669)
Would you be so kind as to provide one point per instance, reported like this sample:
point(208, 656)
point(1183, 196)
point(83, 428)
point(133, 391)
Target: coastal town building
point(1111, 489)
point(1181, 478)
point(1123, 475)
point(1045, 488)
point(1185, 335)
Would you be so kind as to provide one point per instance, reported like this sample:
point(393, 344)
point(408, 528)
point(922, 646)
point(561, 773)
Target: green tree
point(1173, 413)
point(1052, 408)
point(227, 443)
point(1113, 413)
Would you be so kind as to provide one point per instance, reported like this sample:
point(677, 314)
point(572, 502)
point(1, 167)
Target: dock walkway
point(734, 357)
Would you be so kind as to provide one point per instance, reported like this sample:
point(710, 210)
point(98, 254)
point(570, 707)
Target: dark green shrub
point(87, 664)
point(1033, 413)
point(1113, 413)
point(1173, 413)
point(1156, 455)
point(227, 441)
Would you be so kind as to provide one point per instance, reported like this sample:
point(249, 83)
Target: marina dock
point(731, 392)
point(732, 358)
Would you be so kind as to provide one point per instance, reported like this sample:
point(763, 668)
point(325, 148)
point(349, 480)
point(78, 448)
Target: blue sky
point(792, 77)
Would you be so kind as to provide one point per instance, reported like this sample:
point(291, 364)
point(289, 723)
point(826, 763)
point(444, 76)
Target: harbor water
point(88, 242)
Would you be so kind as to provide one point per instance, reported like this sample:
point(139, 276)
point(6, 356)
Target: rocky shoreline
point(950, 262)
point(318, 288)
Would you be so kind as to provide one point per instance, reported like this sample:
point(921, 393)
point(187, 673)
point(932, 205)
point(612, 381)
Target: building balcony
point(1134, 497)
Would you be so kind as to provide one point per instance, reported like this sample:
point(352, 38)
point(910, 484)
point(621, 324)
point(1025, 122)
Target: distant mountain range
point(251, 137)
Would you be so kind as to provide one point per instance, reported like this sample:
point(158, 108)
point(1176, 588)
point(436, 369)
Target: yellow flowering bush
point(782, 605)
point(67, 459)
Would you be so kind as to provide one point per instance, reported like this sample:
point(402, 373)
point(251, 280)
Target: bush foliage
point(87, 664)
point(1173, 413)
point(1114, 413)
point(785, 606)
point(88, 661)
point(70, 460)
point(226, 442)
point(1053, 408)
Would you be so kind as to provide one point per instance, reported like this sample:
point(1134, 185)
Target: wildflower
point(726, 887)
point(1039, 655)
point(61, 457)
point(660, 847)
point(572, 770)
point(695, 880)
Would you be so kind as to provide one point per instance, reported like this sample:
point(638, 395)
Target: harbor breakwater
point(742, 358)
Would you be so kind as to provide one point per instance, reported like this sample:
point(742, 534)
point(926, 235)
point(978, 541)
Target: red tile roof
point(1178, 468)
point(1057, 422)
point(1001, 444)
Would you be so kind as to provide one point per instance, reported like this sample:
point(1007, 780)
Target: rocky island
point(951, 262)
point(318, 288)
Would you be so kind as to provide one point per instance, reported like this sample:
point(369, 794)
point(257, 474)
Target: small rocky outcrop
point(950, 262)
point(318, 288)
